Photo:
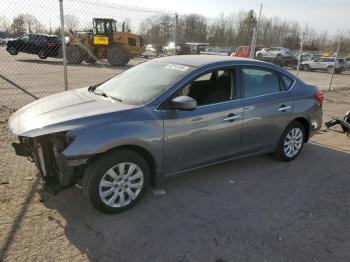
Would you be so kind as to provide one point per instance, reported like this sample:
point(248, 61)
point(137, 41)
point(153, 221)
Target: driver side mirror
point(184, 103)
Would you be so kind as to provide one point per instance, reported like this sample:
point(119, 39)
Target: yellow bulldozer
point(104, 42)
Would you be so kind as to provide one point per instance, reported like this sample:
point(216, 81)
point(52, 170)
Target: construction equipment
point(104, 41)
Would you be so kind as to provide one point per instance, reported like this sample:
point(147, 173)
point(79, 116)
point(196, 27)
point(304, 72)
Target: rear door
point(267, 107)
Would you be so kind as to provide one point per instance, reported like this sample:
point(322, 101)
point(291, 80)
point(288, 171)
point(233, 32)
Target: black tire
point(339, 71)
point(330, 69)
point(94, 174)
point(74, 55)
point(12, 50)
point(280, 152)
point(116, 56)
point(42, 54)
point(259, 56)
point(279, 57)
point(306, 68)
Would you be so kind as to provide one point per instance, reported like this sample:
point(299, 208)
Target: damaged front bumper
point(57, 171)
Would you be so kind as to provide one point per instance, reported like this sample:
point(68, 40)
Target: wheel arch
point(141, 151)
point(306, 124)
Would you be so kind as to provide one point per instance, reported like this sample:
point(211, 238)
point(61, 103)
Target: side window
point(259, 81)
point(25, 38)
point(210, 88)
point(286, 81)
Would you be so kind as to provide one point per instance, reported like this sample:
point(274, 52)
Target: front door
point(211, 132)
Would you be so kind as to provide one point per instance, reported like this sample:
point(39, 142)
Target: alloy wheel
point(293, 142)
point(121, 184)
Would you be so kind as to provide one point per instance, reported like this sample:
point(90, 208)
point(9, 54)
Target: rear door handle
point(232, 117)
point(284, 108)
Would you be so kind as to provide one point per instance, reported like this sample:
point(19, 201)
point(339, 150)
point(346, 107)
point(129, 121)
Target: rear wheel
point(12, 50)
point(74, 55)
point(42, 54)
point(116, 181)
point(259, 56)
point(291, 142)
point(116, 56)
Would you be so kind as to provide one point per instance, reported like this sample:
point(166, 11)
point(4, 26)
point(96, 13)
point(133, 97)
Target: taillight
point(319, 97)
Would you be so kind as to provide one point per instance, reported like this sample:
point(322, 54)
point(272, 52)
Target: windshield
point(143, 82)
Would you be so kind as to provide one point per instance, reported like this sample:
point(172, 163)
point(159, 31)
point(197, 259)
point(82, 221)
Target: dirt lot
point(254, 209)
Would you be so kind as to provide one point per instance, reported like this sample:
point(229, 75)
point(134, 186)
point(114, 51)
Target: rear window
point(260, 81)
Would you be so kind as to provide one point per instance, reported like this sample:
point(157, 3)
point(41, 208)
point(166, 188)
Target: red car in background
point(242, 51)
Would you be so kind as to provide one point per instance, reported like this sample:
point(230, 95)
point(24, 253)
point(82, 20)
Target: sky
point(332, 16)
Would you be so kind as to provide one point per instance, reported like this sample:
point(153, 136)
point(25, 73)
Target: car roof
point(201, 60)
point(47, 35)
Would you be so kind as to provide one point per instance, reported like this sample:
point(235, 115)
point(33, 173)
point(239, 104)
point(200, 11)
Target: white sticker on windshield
point(177, 67)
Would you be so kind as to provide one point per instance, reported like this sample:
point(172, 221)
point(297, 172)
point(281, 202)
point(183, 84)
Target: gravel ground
point(255, 209)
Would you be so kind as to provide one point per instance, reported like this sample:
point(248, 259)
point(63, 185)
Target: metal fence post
point(255, 35)
point(252, 47)
point(335, 64)
point(63, 47)
point(175, 37)
point(300, 52)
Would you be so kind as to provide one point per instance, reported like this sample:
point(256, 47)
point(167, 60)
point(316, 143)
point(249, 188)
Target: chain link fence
point(101, 39)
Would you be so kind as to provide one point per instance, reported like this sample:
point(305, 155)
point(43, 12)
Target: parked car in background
point(306, 57)
point(242, 51)
point(347, 62)
point(197, 48)
point(274, 52)
point(153, 50)
point(225, 51)
point(41, 44)
point(324, 64)
point(164, 117)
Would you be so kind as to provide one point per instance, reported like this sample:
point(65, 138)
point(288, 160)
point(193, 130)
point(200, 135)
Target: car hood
point(62, 112)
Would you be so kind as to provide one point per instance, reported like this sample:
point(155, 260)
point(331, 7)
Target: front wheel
point(74, 55)
point(116, 181)
point(116, 56)
point(306, 68)
point(12, 50)
point(291, 142)
point(330, 69)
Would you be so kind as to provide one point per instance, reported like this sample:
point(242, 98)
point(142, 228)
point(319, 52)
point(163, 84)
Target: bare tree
point(71, 22)
point(32, 24)
point(18, 26)
point(5, 26)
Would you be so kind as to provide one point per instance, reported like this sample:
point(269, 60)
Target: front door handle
point(232, 117)
point(283, 108)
